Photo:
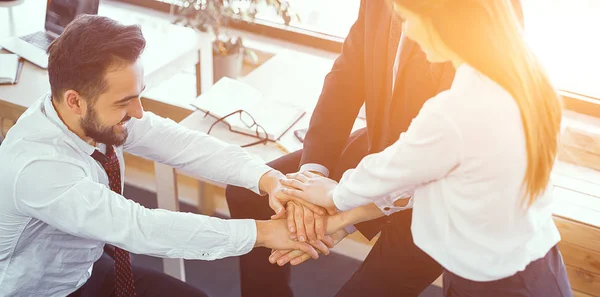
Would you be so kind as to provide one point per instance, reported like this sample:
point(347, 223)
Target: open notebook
point(229, 95)
point(10, 66)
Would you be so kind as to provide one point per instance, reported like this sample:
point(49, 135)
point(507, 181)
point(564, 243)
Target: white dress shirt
point(57, 211)
point(463, 159)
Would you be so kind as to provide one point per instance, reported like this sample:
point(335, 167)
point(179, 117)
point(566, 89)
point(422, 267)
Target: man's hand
point(335, 227)
point(304, 224)
point(307, 188)
point(270, 183)
point(274, 234)
point(295, 257)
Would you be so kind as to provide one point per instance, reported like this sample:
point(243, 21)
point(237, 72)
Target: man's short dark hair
point(91, 45)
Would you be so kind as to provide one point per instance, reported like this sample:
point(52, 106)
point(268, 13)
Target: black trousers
point(394, 267)
point(545, 277)
point(147, 282)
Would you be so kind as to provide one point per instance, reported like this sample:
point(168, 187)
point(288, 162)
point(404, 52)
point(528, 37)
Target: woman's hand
point(308, 188)
point(270, 183)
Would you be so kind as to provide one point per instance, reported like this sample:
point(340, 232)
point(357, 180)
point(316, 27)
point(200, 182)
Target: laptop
point(59, 13)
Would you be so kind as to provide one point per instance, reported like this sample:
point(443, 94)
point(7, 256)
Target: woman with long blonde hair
point(476, 160)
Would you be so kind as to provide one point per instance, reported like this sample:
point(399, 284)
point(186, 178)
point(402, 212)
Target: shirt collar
point(51, 113)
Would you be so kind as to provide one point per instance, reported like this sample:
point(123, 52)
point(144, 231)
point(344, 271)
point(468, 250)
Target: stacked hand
point(272, 183)
point(297, 256)
point(273, 234)
point(304, 193)
point(309, 189)
point(311, 214)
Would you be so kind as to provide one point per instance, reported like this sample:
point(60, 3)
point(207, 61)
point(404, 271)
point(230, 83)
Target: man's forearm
point(178, 146)
point(354, 216)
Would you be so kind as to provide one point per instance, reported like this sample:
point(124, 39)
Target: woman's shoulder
point(472, 97)
point(471, 84)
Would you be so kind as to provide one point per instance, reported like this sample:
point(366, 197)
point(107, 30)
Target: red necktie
point(123, 276)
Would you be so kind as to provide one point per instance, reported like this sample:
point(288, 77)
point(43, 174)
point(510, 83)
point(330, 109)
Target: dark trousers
point(394, 267)
point(147, 282)
point(545, 277)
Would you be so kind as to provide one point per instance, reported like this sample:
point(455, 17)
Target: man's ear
point(74, 102)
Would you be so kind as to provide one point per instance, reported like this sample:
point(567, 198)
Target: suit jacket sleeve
point(339, 103)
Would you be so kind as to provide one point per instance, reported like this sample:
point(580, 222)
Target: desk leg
point(206, 199)
point(5, 125)
point(199, 75)
point(166, 193)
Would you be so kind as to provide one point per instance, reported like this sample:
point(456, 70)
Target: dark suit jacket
point(362, 73)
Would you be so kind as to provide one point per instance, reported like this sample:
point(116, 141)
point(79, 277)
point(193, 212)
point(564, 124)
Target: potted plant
point(213, 16)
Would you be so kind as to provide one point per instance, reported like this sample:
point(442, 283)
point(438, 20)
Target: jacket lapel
point(395, 32)
point(407, 48)
point(382, 77)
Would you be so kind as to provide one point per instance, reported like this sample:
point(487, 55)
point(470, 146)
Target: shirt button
point(386, 208)
point(205, 254)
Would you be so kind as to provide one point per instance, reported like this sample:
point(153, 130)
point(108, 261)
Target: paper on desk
point(229, 95)
point(9, 65)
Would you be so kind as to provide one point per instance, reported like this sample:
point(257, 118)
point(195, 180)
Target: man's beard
point(93, 128)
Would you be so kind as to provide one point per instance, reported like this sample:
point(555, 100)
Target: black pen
point(19, 69)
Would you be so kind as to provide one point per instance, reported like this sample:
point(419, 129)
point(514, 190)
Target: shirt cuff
point(344, 200)
point(254, 173)
point(315, 167)
point(350, 229)
point(243, 236)
point(387, 206)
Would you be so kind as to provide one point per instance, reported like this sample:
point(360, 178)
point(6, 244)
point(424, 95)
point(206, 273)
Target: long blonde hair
point(487, 35)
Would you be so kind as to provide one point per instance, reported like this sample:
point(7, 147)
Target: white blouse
point(462, 160)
